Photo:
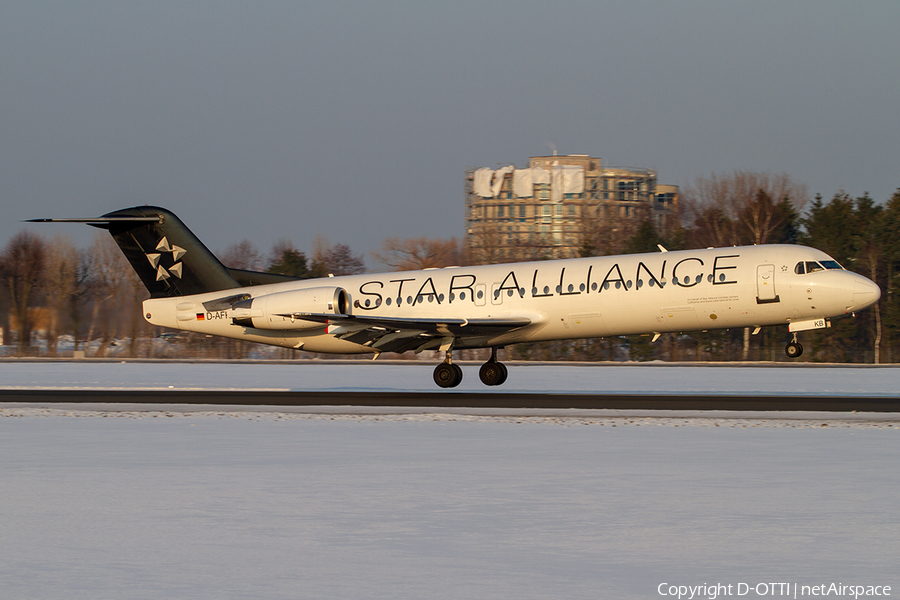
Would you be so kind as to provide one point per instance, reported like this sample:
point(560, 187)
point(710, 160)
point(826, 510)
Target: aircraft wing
point(391, 334)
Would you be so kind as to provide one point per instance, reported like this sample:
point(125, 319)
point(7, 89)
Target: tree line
point(50, 288)
point(744, 208)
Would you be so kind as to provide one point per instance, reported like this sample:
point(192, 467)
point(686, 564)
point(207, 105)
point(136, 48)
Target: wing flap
point(395, 334)
point(484, 326)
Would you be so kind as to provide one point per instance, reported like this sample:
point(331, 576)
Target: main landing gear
point(793, 349)
point(493, 372)
point(448, 374)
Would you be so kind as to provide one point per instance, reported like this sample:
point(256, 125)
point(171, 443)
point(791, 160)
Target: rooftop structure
point(561, 207)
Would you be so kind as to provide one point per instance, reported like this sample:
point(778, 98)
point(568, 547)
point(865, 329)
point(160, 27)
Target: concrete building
point(561, 206)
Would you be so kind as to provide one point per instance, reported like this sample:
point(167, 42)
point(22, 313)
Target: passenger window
point(812, 267)
point(799, 270)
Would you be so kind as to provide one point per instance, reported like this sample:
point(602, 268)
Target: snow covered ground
point(191, 502)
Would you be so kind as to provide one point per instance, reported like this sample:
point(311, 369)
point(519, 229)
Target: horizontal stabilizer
point(101, 221)
point(248, 278)
point(165, 254)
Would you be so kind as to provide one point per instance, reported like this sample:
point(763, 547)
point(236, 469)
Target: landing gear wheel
point(493, 373)
point(505, 373)
point(793, 349)
point(447, 375)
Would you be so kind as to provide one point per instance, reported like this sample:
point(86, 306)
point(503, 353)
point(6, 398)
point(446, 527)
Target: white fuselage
point(749, 286)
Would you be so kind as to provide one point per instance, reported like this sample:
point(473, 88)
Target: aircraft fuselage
point(748, 286)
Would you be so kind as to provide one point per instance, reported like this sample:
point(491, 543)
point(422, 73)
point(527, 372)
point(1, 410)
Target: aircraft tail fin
point(167, 256)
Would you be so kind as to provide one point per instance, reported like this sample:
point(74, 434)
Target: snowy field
point(191, 502)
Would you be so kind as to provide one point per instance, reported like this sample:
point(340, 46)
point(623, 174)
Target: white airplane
point(488, 306)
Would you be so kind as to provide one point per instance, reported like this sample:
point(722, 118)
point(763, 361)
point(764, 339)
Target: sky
point(355, 120)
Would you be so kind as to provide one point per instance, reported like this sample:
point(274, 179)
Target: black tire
point(447, 375)
point(793, 350)
point(459, 376)
point(492, 373)
point(505, 373)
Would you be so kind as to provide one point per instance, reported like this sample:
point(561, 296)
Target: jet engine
point(285, 310)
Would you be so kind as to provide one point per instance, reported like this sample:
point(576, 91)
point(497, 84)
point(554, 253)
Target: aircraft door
point(765, 284)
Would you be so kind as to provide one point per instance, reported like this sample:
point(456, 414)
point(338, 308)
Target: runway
point(405, 384)
point(446, 400)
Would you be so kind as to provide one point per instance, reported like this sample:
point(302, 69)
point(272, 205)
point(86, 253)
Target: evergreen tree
point(644, 240)
point(829, 227)
point(291, 262)
point(890, 244)
point(853, 233)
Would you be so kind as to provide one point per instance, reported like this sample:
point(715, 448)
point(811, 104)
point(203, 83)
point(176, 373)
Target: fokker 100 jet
point(489, 306)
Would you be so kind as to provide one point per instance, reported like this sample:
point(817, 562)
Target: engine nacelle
point(284, 310)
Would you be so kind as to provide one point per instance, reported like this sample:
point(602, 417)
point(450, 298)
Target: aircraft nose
point(865, 293)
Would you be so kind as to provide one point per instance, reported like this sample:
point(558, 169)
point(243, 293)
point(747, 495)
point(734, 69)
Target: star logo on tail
point(158, 258)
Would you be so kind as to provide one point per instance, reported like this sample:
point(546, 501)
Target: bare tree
point(81, 293)
point(744, 207)
point(22, 268)
point(340, 260)
point(337, 259)
point(604, 233)
point(418, 253)
point(321, 246)
point(484, 246)
point(244, 256)
point(116, 290)
point(61, 280)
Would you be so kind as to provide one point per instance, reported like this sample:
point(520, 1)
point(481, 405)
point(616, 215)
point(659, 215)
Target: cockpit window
point(812, 266)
